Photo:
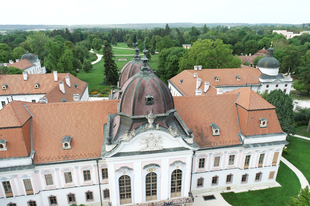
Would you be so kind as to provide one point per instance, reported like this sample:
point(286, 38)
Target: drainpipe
point(99, 182)
point(190, 184)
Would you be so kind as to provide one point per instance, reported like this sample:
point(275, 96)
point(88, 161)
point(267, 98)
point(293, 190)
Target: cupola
point(269, 65)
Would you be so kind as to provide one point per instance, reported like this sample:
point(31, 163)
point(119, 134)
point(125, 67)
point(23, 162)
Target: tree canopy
point(110, 68)
point(209, 54)
point(14, 70)
point(303, 198)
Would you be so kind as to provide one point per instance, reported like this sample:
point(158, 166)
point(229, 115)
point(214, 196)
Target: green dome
point(28, 56)
point(268, 62)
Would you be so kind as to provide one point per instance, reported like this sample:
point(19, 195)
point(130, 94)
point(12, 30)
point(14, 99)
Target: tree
point(77, 65)
point(251, 47)
point(239, 48)
point(264, 43)
point(55, 50)
point(14, 70)
point(209, 54)
point(69, 44)
point(26, 45)
point(3, 70)
point(167, 29)
point(205, 29)
point(87, 65)
point(18, 52)
point(37, 43)
point(257, 59)
point(110, 68)
point(113, 42)
point(5, 53)
point(140, 45)
point(303, 198)
point(147, 42)
point(129, 43)
point(165, 42)
point(97, 44)
point(291, 59)
point(64, 64)
point(284, 109)
point(168, 62)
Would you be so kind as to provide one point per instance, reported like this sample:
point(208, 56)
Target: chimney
point(198, 83)
point(25, 75)
point(76, 97)
point(62, 86)
point(68, 80)
point(207, 86)
point(198, 92)
point(43, 100)
point(195, 68)
point(17, 60)
point(55, 76)
point(250, 54)
point(195, 75)
point(199, 67)
point(11, 62)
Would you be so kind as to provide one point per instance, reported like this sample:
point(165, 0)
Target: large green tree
point(110, 68)
point(168, 62)
point(210, 54)
point(303, 198)
point(291, 59)
point(18, 52)
point(5, 53)
point(284, 109)
point(37, 43)
point(97, 44)
point(14, 70)
point(165, 43)
point(251, 47)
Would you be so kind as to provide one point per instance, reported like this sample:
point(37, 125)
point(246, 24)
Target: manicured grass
point(299, 155)
point(302, 130)
point(118, 51)
point(121, 44)
point(273, 196)
point(303, 96)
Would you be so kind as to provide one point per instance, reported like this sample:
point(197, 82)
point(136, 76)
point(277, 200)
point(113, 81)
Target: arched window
point(176, 183)
point(151, 186)
point(124, 189)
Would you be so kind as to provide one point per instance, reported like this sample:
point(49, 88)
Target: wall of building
point(268, 86)
point(20, 97)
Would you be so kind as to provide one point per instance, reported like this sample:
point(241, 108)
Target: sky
point(72, 12)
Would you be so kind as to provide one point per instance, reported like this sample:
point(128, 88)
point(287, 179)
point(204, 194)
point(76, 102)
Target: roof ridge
point(14, 113)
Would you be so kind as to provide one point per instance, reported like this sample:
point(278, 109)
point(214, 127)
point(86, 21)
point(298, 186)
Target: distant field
point(2, 31)
point(95, 76)
point(120, 51)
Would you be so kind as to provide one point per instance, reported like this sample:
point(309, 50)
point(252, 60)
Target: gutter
point(99, 182)
point(175, 87)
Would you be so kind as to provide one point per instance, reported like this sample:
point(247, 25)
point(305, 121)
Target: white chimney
point(207, 86)
point(11, 62)
point(43, 100)
point(198, 83)
point(55, 76)
point(199, 67)
point(17, 60)
point(62, 86)
point(250, 54)
point(76, 97)
point(195, 75)
point(68, 80)
point(25, 75)
point(198, 92)
point(195, 68)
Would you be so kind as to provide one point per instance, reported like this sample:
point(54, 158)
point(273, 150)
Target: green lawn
point(95, 76)
point(118, 51)
point(303, 96)
point(273, 197)
point(121, 44)
point(299, 155)
point(302, 130)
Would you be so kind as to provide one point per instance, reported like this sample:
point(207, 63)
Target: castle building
point(55, 87)
point(29, 63)
point(264, 78)
point(144, 147)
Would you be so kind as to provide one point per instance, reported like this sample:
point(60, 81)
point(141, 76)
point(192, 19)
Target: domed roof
point(132, 67)
point(268, 62)
point(28, 56)
point(145, 92)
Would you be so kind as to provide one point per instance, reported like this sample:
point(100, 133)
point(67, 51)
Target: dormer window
point(36, 85)
point(76, 86)
point(263, 122)
point(217, 79)
point(238, 78)
point(66, 142)
point(4, 86)
point(149, 100)
point(215, 129)
point(3, 145)
point(181, 80)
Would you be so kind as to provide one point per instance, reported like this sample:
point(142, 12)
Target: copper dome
point(131, 68)
point(145, 92)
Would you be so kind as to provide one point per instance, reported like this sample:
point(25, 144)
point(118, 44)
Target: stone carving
point(158, 127)
point(128, 135)
point(150, 118)
point(151, 143)
point(173, 131)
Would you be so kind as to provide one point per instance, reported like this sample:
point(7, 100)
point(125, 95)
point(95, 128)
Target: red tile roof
point(14, 114)
point(22, 64)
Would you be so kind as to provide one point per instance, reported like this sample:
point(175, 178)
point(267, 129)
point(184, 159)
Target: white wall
point(26, 98)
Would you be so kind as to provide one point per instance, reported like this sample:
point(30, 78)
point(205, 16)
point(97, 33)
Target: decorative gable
point(215, 129)
point(66, 142)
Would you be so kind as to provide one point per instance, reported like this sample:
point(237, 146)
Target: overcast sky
point(69, 12)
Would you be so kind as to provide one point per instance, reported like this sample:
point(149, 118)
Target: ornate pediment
point(151, 142)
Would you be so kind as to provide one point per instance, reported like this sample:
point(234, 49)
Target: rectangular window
point(7, 189)
point(86, 175)
point(216, 161)
point(49, 179)
point(200, 182)
point(3, 103)
point(244, 178)
point(89, 196)
point(261, 160)
point(231, 159)
point(34, 101)
point(258, 176)
point(71, 198)
point(214, 180)
point(32, 203)
point(275, 158)
point(271, 175)
point(68, 177)
point(229, 178)
point(202, 163)
point(28, 186)
point(106, 194)
point(12, 204)
point(247, 162)
point(53, 200)
point(104, 173)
